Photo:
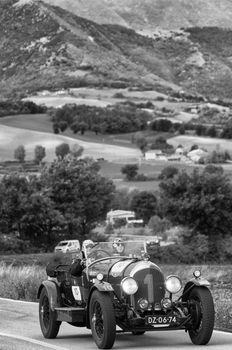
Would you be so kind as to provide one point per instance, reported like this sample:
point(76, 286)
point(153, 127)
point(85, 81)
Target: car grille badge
point(157, 307)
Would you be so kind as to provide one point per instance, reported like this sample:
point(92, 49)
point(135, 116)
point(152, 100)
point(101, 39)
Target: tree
point(130, 170)
point(83, 127)
point(40, 220)
point(168, 172)
point(213, 169)
point(140, 142)
point(20, 153)
point(27, 210)
point(200, 200)
point(144, 204)
point(77, 150)
point(212, 131)
point(159, 225)
point(40, 154)
point(62, 150)
point(79, 192)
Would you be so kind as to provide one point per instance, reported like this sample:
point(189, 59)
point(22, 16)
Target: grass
point(21, 275)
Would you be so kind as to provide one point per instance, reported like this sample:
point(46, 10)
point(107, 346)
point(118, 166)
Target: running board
point(70, 314)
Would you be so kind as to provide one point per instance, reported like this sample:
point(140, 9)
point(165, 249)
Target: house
point(123, 215)
point(196, 154)
point(155, 154)
point(179, 151)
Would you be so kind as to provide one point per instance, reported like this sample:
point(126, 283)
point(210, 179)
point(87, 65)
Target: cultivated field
point(11, 138)
point(206, 142)
point(103, 97)
point(117, 150)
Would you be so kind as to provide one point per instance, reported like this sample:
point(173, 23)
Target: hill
point(47, 47)
point(148, 15)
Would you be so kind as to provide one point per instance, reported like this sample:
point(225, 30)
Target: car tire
point(48, 324)
point(202, 311)
point(102, 320)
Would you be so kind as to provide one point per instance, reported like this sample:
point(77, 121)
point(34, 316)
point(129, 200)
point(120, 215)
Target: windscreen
point(130, 249)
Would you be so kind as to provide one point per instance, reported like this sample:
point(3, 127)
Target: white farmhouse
point(155, 154)
point(196, 154)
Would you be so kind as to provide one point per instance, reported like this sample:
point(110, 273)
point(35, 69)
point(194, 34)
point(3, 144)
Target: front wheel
point(48, 324)
point(202, 311)
point(102, 320)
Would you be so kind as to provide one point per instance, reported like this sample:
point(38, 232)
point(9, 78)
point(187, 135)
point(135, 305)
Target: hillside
point(47, 47)
point(148, 15)
point(173, 14)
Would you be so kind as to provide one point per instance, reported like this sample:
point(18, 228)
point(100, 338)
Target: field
point(206, 142)
point(20, 277)
point(12, 137)
point(103, 97)
point(117, 150)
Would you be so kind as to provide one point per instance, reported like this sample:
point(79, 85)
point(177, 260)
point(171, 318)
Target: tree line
point(10, 107)
point(72, 197)
point(119, 118)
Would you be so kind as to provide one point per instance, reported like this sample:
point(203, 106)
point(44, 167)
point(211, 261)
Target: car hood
point(148, 276)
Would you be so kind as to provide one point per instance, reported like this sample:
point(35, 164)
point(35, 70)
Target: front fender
point(53, 293)
point(101, 286)
point(199, 282)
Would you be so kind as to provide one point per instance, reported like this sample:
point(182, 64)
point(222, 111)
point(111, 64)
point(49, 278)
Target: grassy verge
point(20, 277)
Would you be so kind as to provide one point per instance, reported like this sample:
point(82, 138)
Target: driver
point(78, 264)
point(118, 246)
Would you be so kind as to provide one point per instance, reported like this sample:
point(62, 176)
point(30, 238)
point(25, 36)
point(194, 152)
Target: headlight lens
point(143, 303)
point(129, 285)
point(173, 284)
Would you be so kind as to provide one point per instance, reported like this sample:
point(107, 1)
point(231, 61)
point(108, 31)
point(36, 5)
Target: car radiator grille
point(151, 285)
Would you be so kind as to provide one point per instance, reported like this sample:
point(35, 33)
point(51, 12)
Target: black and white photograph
point(115, 174)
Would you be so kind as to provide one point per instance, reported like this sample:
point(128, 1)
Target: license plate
point(160, 320)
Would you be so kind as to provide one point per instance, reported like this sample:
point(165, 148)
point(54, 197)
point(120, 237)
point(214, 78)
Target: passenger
point(78, 263)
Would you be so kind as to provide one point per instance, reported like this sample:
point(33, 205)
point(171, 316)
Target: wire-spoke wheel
point(202, 311)
point(102, 320)
point(48, 324)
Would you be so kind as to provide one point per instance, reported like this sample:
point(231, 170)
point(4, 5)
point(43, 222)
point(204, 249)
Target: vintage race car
point(120, 289)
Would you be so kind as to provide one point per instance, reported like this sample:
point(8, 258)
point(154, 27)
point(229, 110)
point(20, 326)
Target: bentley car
point(116, 288)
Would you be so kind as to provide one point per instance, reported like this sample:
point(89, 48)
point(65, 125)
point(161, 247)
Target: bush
point(168, 172)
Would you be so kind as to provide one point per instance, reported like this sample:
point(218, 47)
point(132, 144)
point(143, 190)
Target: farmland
point(116, 150)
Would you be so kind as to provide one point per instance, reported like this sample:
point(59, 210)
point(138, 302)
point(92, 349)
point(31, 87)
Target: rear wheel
point(102, 320)
point(202, 311)
point(48, 324)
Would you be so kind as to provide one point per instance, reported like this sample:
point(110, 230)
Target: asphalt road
point(19, 329)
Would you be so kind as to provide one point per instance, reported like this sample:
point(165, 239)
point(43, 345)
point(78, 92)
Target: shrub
point(130, 170)
point(168, 172)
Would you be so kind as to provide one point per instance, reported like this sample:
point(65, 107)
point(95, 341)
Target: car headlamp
point(129, 285)
point(143, 303)
point(197, 273)
point(173, 284)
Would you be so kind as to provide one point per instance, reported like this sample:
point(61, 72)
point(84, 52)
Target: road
point(19, 330)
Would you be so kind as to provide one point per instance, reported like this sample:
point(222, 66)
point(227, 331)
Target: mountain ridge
point(150, 15)
point(47, 47)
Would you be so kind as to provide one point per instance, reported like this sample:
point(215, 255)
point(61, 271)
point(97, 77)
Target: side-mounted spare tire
point(102, 319)
point(202, 311)
point(48, 324)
